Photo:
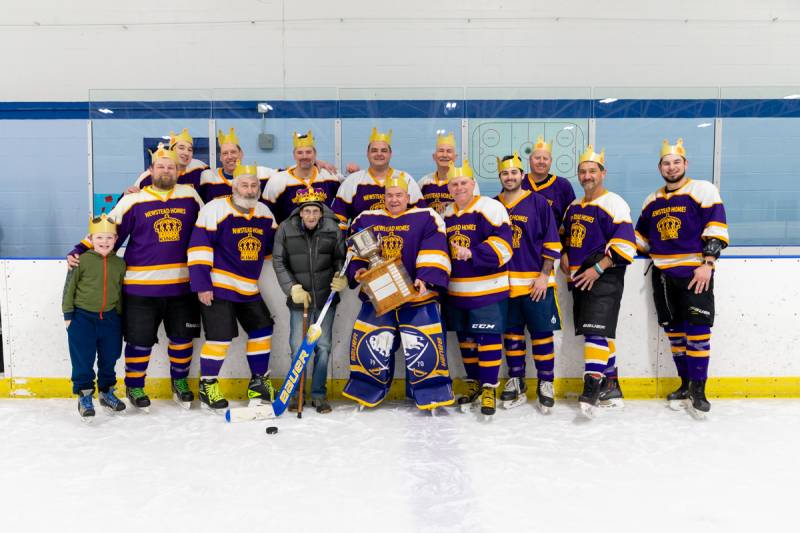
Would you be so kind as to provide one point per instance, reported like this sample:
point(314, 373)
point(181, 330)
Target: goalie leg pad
point(425, 356)
point(371, 356)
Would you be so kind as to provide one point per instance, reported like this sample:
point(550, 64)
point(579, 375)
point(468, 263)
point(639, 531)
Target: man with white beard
point(232, 238)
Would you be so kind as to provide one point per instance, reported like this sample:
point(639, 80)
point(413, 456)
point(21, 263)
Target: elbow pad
point(713, 247)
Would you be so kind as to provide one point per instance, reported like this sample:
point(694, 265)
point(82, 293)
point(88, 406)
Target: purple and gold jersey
point(285, 191)
point(557, 191)
point(599, 226)
point(534, 238)
point(190, 176)
point(228, 249)
point(482, 226)
point(216, 183)
point(435, 193)
point(417, 236)
point(673, 226)
point(158, 227)
point(361, 191)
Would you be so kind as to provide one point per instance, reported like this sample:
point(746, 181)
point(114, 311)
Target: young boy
point(92, 304)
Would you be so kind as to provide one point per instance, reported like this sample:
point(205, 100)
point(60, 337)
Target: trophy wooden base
point(388, 286)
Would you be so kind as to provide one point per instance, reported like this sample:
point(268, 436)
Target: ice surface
point(642, 469)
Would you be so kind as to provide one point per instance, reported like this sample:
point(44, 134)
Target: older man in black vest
point(309, 250)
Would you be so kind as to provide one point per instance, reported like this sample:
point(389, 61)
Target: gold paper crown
point(464, 171)
point(230, 138)
point(591, 155)
point(514, 162)
point(378, 136)
point(182, 136)
point(677, 148)
point(245, 170)
point(397, 181)
point(446, 139)
point(309, 195)
point(102, 224)
point(541, 145)
point(163, 152)
point(303, 140)
point(249, 248)
point(168, 229)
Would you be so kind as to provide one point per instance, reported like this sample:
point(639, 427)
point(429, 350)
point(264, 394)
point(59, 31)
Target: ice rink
point(645, 468)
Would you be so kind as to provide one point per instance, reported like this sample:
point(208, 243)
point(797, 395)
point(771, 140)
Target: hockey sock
point(136, 361)
point(595, 354)
point(180, 351)
point(544, 356)
point(259, 345)
point(490, 356)
point(677, 339)
point(611, 367)
point(212, 355)
point(469, 354)
point(514, 342)
point(698, 349)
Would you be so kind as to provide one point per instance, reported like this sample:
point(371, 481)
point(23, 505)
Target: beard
point(164, 182)
point(675, 179)
point(243, 202)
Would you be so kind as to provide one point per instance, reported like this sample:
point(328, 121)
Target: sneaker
point(488, 401)
point(181, 391)
point(321, 405)
point(85, 405)
point(210, 395)
point(544, 393)
point(110, 401)
point(472, 396)
point(137, 397)
point(260, 388)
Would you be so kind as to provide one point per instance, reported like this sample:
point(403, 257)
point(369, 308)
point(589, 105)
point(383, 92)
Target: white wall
point(59, 50)
point(755, 334)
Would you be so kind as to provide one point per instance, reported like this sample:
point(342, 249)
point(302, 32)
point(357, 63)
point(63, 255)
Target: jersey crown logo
point(391, 246)
point(249, 248)
point(577, 233)
point(168, 229)
point(668, 227)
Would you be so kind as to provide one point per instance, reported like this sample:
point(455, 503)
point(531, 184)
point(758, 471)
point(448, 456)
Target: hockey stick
point(299, 361)
point(301, 394)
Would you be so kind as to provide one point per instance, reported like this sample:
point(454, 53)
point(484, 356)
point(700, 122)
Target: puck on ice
point(271, 430)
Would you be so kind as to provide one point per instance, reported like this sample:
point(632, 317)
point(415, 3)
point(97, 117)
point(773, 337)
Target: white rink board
point(755, 333)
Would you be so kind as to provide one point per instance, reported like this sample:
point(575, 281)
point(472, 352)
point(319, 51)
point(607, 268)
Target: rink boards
point(753, 346)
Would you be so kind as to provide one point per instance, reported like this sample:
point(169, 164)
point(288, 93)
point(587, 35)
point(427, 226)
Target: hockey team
point(485, 268)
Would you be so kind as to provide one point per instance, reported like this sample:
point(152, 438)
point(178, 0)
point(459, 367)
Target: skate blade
point(510, 404)
point(145, 409)
point(256, 402)
point(205, 407)
point(678, 405)
point(694, 413)
point(88, 420)
point(616, 403)
point(587, 410)
point(469, 407)
point(544, 409)
point(181, 404)
point(487, 418)
point(111, 412)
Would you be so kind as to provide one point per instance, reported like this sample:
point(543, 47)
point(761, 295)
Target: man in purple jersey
point(557, 190)
point(479, 234)
point(599, 244)
point(157, 222)
point(232, 238)
point(683, 228)
point(189, 169)
point(532, 301)
point(417, 237)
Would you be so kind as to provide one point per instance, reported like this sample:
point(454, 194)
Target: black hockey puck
point(271, 430)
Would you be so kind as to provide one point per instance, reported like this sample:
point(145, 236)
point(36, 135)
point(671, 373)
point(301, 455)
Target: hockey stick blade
point(246, 414)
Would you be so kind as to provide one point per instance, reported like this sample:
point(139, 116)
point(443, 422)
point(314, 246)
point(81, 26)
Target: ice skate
point(544, 396)
point(589, 398)
point(260, 390)
point(210, 396)
point(181, 393)
point(698, 404)
point(513, 394)
point(488, 402)
point(110, 402)
point(611, 394)
point(85, 406)
point(470, 400)
point(678, 400)
point(138, 398)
